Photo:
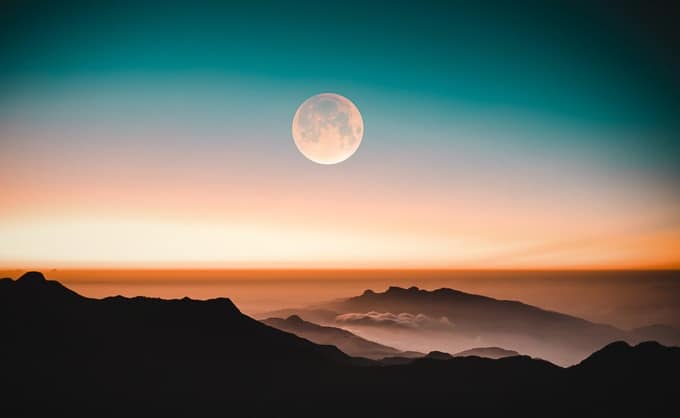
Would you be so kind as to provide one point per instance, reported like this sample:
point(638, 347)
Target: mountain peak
point(295, 319)
point(616, 346)
point(438, 355)
point(488, 352)
point(397, 289)
point(35, 283)
point(32, 278)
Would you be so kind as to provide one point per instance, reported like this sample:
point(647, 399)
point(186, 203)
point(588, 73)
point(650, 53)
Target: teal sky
point(567, 106)
point(610, 70)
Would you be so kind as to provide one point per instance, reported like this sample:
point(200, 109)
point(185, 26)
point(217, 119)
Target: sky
point(496, 135)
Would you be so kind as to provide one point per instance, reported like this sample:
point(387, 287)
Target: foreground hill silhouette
point(67, 355)
point(452, 321)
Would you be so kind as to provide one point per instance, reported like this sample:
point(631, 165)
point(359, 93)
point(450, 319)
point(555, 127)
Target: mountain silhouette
point(484, 352)
point(664, 334)
point(35, 284)
point(67, 355)
point(438, 355)
point(487, 352)
point(346, 341)
point(452, 321)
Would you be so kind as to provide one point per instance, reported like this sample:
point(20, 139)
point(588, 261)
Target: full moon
point(327, 128)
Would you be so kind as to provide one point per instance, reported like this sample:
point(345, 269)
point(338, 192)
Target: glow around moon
point(327, 128)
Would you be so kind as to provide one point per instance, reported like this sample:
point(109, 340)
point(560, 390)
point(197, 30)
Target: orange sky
point(87, 216)
point(117, 199)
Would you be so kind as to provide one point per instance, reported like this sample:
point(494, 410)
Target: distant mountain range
point(482, 352)
point(451, 321)
point(487, 352)
point(66, 355)
point(344, 340)
point(360, 347)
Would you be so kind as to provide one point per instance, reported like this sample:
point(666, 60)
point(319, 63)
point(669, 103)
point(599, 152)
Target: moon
point(327, 128)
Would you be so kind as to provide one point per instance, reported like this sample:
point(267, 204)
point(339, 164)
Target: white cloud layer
point(404, 319)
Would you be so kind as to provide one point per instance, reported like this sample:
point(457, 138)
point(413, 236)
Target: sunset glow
point(122, 165)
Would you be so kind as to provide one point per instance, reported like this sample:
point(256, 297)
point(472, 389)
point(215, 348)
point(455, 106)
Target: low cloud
point(388, 319)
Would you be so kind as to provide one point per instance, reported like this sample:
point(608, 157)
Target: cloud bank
point(402, 320)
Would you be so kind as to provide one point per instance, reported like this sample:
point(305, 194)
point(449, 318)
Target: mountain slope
point(472, 312)
point(344, 340)
point(62, 344)
point(451, 321)
point(66, 355)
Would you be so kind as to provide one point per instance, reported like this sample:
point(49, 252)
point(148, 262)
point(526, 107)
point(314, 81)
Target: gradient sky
point(157, 134)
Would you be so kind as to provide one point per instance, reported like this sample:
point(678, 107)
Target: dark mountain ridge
point(67, 355)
